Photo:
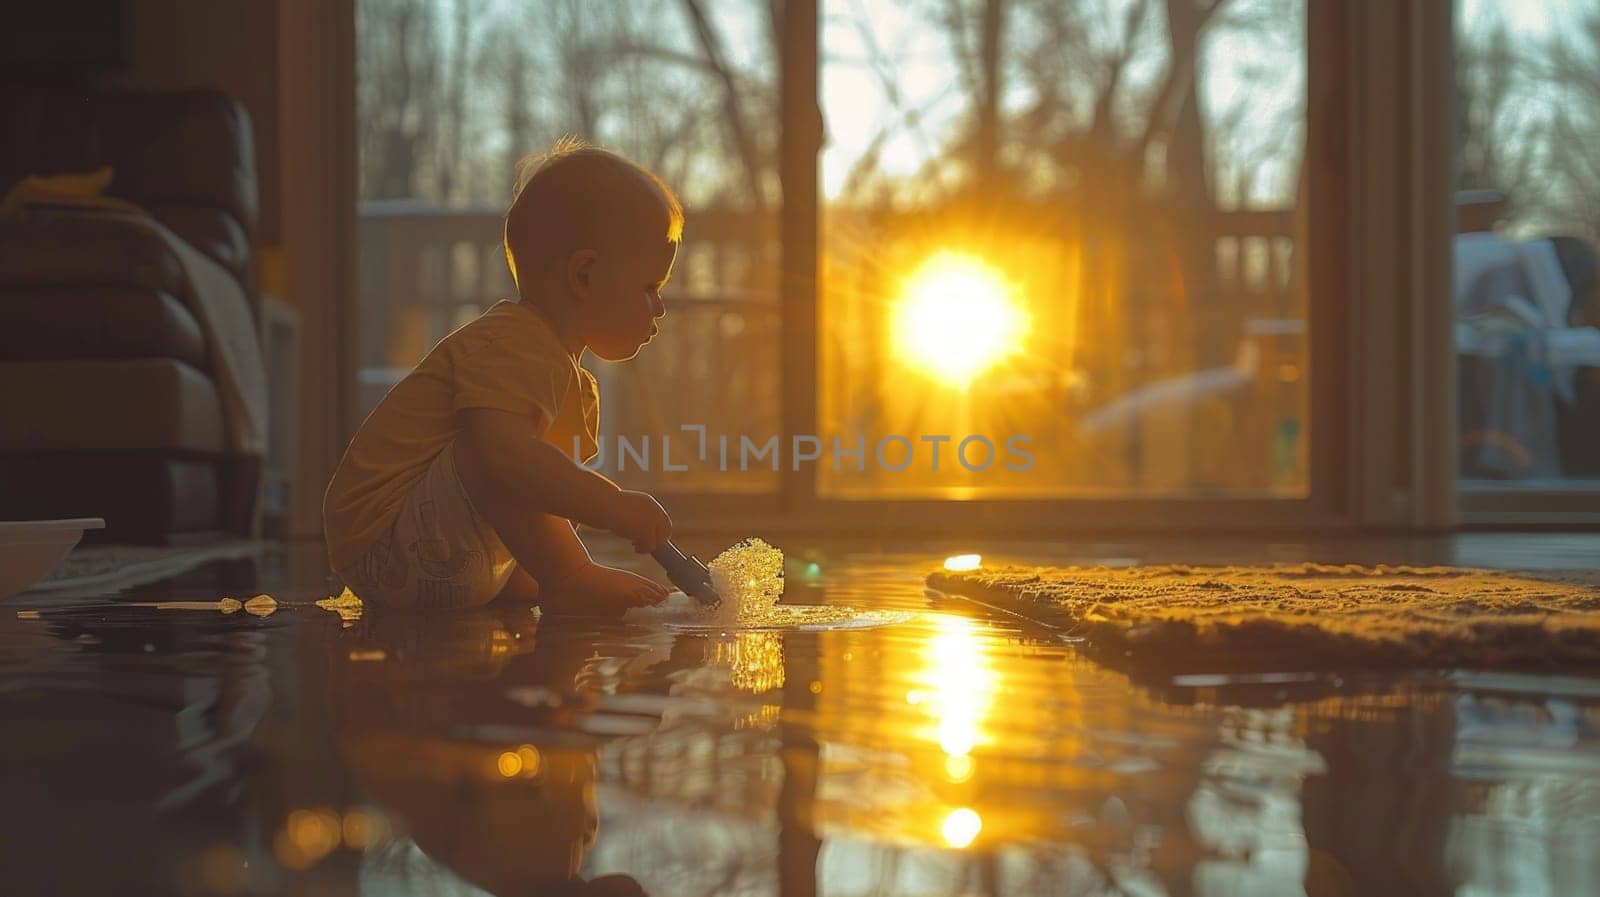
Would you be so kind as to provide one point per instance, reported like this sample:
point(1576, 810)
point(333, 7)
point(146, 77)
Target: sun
point(955, 319)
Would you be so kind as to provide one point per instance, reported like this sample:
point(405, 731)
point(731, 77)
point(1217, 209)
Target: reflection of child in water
point(464, 818)
point(508, 819)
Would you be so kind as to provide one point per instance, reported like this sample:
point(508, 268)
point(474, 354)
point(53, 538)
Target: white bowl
point(30, 549)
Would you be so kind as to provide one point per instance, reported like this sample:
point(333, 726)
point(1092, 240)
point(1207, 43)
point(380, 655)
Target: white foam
point(749, 577)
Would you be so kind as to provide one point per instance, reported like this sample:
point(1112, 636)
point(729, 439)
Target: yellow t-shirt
point(508, 358)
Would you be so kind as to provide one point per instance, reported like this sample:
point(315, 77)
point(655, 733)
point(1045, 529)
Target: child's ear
point(580, 271)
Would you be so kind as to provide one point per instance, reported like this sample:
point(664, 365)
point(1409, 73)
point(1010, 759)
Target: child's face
point(619, 314)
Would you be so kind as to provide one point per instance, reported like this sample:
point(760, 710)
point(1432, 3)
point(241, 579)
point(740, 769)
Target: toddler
point(458, 489)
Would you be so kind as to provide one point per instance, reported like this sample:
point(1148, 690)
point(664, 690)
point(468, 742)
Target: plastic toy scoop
point(688, 573)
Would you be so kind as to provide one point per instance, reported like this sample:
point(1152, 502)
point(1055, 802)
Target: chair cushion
point(139, 403)
point(186, 156)
point(215, 233)
point(97, 322)
point(72, 248)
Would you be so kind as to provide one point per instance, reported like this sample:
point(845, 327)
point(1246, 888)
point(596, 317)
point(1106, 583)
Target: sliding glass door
point(1009, 262)
point(1527, 273)
point(1063, 251)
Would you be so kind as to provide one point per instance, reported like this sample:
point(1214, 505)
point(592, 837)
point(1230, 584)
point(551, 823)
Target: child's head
point(592, 229)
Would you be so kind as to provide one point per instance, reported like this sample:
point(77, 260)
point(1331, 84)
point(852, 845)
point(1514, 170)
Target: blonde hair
point(581, 196)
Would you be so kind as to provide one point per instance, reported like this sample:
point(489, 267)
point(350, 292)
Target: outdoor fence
point(427, 270)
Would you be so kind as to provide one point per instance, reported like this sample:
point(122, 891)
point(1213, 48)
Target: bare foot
point(597, 590)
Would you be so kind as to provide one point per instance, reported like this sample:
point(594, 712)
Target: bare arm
point(508, 448)
point(509, 453)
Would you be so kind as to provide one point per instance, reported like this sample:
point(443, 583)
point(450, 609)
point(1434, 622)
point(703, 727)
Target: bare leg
point(565, 579)
point(519, 589)
point(549, 550)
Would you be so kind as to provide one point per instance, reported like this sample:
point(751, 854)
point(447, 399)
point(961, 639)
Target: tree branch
point(711, 46)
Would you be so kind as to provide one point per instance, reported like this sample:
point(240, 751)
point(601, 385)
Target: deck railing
point(427, 270)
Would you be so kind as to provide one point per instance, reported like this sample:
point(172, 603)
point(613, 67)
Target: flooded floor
point(155, 744)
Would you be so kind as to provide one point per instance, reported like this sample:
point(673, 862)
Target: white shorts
point(438, 554)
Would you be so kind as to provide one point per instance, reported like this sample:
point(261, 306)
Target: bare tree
point(1527, 122)
point(456, 71)
point(508, 62)
point(1573, 199)
point(451, 92)
point(399, 64)
point(1493, 146)
point(733, 114)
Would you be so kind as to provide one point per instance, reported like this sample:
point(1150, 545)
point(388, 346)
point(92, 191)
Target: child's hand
point(640, 519)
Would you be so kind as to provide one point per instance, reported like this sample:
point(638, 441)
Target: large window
point(1077, 235)
point(1063, 243)
point(1063, 249)
point(1528, 215)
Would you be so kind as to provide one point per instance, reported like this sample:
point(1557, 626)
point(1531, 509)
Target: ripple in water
point(749, 577)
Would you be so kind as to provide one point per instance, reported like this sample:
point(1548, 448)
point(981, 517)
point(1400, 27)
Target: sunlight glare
point(961, 563)
point(961, 826)
point(509, 764)
point(958, 768)
point(962, 686)
point(956, 319)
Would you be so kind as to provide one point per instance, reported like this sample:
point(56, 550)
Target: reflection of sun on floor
point(755, 660)
point(961, 826)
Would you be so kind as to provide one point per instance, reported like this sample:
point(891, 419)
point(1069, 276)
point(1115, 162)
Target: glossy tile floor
point(153, 744)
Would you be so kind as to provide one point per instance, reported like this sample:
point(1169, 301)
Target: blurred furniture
point(31, 549)
point(280, 336)
point(1478, 211)
point(109, 405)
point(1525, 386)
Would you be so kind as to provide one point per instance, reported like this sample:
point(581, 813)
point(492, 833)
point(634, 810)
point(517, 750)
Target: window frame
point(1382, 424)
point(1485, 504)
point(1357, 53)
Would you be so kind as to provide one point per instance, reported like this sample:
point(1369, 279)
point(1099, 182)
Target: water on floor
point(164, 741)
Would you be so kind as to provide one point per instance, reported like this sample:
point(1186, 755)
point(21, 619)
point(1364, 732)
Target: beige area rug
point(1296, 617)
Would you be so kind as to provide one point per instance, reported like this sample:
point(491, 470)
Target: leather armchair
point(109, 404)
